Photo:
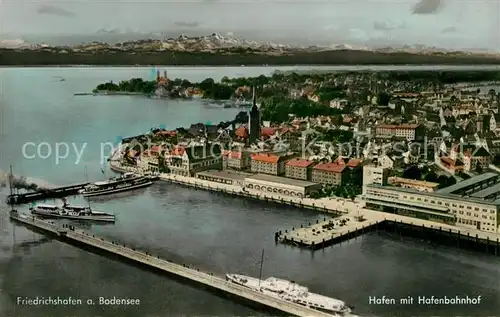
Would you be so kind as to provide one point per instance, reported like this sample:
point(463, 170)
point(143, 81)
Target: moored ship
point(127, 181)
point(71, 212)
point(291, 292)
point(152, 176)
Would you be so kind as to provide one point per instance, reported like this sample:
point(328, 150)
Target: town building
point(451, 165)
point(338, 103)
point(281, 185)
point(495, 123)
point(471, 155)
point(473, 203)
point(479, 158)
point(224, 177)
point(410, 132)
point(390, 161)
point(330, 173)
point(375, 175)
point(236, 159)
point(421, 186)
point(148, 160)
point(299, 169)
point(187, 161)
point(267, 163)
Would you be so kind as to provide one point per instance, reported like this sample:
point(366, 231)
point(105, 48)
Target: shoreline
point(338, 208)
point(438, 66)
point(326, 205)
point(173, 58)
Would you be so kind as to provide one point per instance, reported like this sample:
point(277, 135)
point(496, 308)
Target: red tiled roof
point(165, 132)
point(156, 149)
point(177, 151)
point(235, 155)
point(267, 158)
point(450, 162)
point(330, 167)
point(299, 163)
point(150, 153)
point(267, 131)
point(354, 162)
point(242, 132)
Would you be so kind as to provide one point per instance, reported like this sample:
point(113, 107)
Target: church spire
point(254, 120)
point(254, 98)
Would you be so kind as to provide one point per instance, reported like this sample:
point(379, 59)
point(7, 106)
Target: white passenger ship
point(292, 292)
point(71, 212)
point(127, 181)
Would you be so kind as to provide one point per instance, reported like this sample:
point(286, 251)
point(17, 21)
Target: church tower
point(254, 121)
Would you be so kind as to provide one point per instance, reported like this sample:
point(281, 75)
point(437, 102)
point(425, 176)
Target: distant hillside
point(337, 57)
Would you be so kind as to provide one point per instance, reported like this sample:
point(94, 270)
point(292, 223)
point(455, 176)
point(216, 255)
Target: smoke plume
point(23, 182)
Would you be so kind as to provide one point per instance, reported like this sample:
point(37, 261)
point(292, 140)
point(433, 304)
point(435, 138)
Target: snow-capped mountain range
point(218, 42)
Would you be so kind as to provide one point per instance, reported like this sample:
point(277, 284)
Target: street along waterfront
point(216, 233)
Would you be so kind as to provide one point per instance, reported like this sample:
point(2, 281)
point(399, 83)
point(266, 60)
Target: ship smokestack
point(157, 75)
point(165, 74)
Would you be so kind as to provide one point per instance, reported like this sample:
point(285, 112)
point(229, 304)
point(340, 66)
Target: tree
point(479, 169)
point(357, 176)
point(496, 160)
point(412, 172)
point(451, 181)
point(431, 176)
point(443, 181)
point(383, 99)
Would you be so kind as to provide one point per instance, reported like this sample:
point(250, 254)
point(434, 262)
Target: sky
point(441, 23)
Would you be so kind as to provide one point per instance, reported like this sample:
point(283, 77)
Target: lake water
point(215, 233)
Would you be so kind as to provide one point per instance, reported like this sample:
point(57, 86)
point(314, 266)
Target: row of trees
point(133, 85)
point(345, 191)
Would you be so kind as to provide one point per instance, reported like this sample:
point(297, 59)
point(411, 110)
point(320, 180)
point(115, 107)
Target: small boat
point(127, 181)
point(71, 212)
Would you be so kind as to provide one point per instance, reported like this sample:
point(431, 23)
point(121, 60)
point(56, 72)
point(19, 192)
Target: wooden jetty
point(73, 236)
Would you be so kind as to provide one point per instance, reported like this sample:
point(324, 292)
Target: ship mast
point(87, 179)
point(10, 188)
point(261, 264)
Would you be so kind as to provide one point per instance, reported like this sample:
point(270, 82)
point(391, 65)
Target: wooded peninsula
point(304, 94)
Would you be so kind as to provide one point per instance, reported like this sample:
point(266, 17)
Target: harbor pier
point(58, 192)
point(74, 236)
point(330, 232)
point(326, 233)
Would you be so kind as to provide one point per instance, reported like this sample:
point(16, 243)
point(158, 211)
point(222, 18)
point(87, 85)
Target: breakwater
point(70, 235)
